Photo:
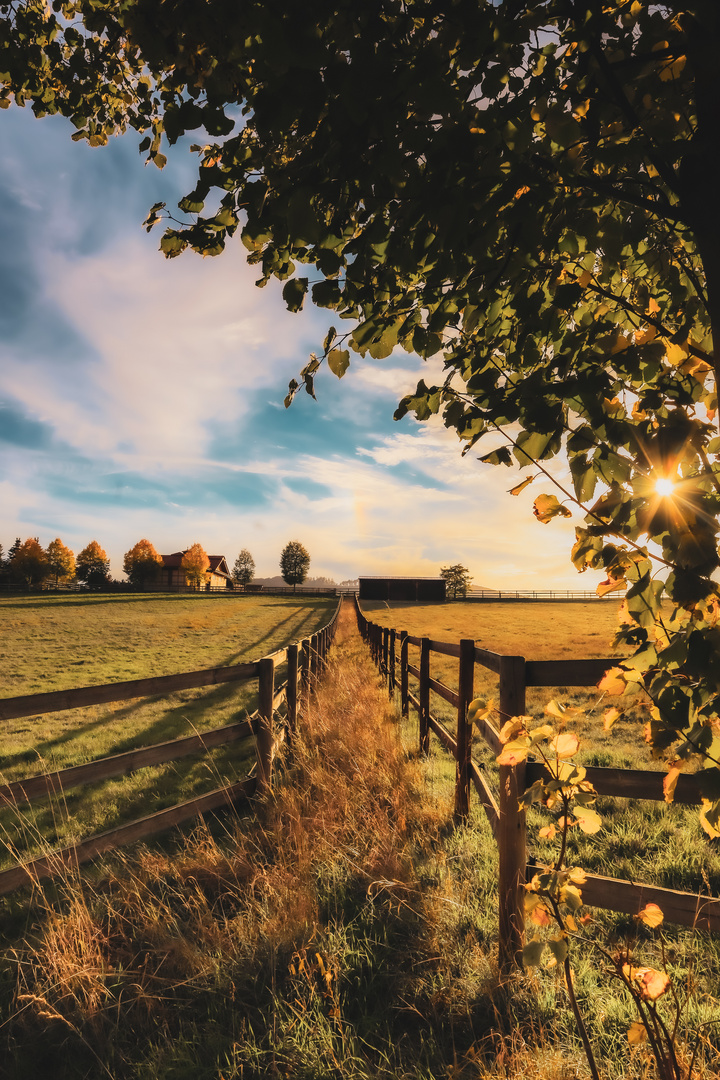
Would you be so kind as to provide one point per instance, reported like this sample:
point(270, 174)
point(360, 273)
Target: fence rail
point(506, 819)
point(305, 660)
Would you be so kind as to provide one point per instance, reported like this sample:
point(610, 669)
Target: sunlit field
point(56, 642)
point(641, 840)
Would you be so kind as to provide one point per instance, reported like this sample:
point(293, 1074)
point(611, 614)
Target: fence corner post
point(466, 682)
point(511, 826)
point(264, 737)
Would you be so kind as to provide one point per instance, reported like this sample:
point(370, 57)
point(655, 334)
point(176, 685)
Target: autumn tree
point(60, 560)
point(244, 568)
point(294, 563)
point(93, 565)
point(457, 580)
point(29, 563)
point(141, 563)
point(194, 564)
point(571, 281)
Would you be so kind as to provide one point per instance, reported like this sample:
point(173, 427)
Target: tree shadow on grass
point(176, 722)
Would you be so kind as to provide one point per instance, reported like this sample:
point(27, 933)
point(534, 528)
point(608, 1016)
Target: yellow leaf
point(709, 829)
point(610, 716)
point(588, 819)
point(554, 708)
point(611, 585)
point(675, 354)
point(672, 70)
point(513, 727)
point(651, 915)
point(620, 343)
point(546, 507)
point(564, 746)
point(613, 682)
point(648, 333)
point(584, 279)
point(514, 753)
point(578, 875)
point(653, 984)
point(637, 1033)
point(519, 487)
point(670, 783)
point(548, 832)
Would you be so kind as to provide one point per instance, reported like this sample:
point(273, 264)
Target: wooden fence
point(390, 650)
point(305, 660)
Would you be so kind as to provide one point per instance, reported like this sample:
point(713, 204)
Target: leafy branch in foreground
point(531, 190)
point(553, 896)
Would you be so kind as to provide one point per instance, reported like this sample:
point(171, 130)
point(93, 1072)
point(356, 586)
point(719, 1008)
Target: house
point(172, 576)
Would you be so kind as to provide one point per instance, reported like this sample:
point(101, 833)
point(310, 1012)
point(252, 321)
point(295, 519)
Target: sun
point(664, 487)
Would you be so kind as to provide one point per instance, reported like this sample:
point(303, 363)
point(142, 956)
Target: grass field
point(344, 931)
point(57, 642)
point(641, 840)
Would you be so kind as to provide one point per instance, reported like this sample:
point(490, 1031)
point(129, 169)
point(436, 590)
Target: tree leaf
point(651, 915)
point(338, 361)
point(547, 507)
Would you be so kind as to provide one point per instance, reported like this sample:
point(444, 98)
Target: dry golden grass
point(344, 930)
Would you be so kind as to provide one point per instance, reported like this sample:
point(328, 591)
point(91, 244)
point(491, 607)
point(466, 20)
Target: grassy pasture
point(345, 931)
point(641, 840)
point(54, 643)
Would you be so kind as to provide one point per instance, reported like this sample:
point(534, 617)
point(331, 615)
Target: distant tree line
point(28, 563)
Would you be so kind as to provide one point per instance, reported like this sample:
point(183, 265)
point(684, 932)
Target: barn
point(401, 588)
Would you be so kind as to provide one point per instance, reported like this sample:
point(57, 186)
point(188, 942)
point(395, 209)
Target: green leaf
point(294, 293)
point(533, 952)
point(338, 361)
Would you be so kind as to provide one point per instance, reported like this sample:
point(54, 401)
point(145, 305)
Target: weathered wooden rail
point(390, 650)
point(305, 660)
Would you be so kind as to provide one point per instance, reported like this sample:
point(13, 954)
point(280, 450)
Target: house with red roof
point(171, 574)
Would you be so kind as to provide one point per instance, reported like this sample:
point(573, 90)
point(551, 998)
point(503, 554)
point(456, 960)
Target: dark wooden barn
point(401, 588)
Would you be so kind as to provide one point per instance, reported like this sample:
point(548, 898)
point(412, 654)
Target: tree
point(60, 560)
point(29, 562)
point(141, 563)
point(93, 565)
point(572, 281)
point(195, 562)
point(244, 568)
point(294, 563)
point(457, 580)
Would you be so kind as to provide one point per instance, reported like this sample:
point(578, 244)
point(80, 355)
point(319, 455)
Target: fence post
point(292, 686)
point(314, 666)
point(404, 687)
point(466, 680)
point(386, 653)
point(306, 668)
point(264, 738)
point(424, 695)
point(391, 666)
point(511, 828)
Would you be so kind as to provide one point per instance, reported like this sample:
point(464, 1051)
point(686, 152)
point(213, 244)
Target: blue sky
point(141, 397)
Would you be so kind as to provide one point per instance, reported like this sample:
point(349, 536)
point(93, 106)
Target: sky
point(143, 397)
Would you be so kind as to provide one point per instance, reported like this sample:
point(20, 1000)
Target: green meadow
point(53, 643)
